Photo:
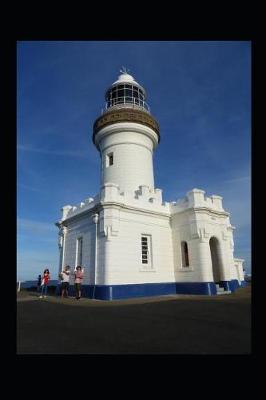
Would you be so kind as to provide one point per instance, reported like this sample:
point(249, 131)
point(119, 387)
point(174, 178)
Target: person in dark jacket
point(39, 282)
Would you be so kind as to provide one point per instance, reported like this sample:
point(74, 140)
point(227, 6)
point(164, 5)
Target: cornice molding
point(118, 205)
point(125, 115)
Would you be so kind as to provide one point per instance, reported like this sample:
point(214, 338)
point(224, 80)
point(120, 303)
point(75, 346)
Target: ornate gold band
point(125, 115)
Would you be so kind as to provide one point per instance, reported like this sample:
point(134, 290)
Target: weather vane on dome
point(124, 70)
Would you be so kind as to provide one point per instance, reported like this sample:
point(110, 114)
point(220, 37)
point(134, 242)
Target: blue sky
point(200, 93)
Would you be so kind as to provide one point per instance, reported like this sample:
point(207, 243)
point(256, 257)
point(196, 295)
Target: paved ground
point(178, 324)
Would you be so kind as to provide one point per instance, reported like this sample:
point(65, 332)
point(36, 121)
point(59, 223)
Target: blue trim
point(233, 285)
point(116, 292)
point(133, 290)
point(207, 288)
point(86, 291)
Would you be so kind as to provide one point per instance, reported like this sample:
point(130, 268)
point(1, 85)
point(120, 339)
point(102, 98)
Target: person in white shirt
point(65, 275)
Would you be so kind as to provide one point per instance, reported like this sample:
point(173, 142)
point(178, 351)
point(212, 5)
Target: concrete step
point(224, 292)
point(221, 290)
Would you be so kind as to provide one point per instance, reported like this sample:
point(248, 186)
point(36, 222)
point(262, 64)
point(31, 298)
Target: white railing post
point(19, 286)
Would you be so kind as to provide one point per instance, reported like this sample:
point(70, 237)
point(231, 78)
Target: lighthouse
point(126, 135)
point(129, 241)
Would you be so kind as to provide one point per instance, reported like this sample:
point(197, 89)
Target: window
point(128, 92)
point(146, 251)
point(120, 93)
point(125, 94)
point(185, 259)
point(109, 159)
point(79, 251)
point(135, 93)
point(114, 92)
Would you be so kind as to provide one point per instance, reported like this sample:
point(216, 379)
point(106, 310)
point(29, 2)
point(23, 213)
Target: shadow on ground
point(168, 324)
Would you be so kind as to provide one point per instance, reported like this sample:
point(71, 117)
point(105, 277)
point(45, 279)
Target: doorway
point(216, 259)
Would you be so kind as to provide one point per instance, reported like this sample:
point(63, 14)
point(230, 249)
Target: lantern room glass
point(126, 94)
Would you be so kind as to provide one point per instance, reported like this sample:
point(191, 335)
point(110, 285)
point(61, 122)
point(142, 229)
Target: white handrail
point(134, 102)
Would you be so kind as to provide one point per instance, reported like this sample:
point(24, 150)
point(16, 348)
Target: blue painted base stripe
point(233, 285)
point(113, 292)
point(207, 288)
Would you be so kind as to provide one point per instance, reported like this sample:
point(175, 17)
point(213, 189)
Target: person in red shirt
point(44, 284)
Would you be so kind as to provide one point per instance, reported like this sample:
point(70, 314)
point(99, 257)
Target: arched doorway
point(216, 259)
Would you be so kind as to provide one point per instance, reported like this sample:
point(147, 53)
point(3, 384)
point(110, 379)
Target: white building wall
point(85, 228)
point(238, 264)
point(122, 221)
point(123, 248)
point(198, 251)
point(196, 228)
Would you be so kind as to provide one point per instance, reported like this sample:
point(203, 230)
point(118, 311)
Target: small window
point(185, 258)
point(146, 251)
point(110, 159)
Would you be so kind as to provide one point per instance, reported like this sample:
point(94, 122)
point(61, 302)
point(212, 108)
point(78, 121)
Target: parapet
point(144, 197)
point(65, 210)
point(69, 211)
point(196, 198)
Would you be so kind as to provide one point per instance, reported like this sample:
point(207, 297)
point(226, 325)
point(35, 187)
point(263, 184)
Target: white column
point(60, 245)
point(64, 247)
point(95, 219)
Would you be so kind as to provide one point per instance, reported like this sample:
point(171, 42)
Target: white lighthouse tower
point(126, 136)
point(129, 241)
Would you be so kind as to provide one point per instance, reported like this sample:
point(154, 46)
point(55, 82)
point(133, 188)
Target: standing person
point(79, 275)
point(39, 282)
point(59, 284)
point(45, 280)
point(65, 274)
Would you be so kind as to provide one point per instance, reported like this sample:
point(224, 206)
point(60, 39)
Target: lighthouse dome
point(126, 78)
point(125, 92)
